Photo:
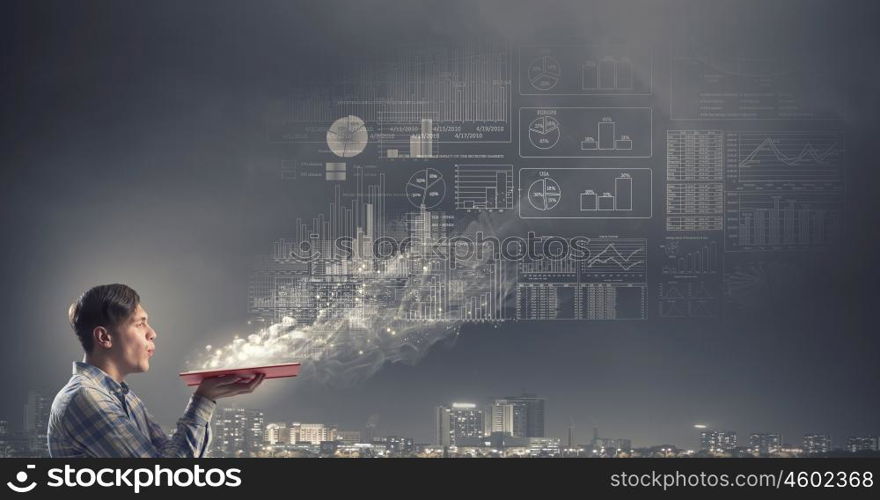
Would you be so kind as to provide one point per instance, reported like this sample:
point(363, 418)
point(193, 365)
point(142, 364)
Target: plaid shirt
point(95, 416)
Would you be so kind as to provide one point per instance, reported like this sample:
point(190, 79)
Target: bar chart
point(421, 145)
point(691, 256)
point(484, 187)
point(621, 200)
point(606, 138)
point(607, 73)
point(790, 221)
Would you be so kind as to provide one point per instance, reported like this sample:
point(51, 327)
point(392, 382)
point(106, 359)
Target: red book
point(271, 371)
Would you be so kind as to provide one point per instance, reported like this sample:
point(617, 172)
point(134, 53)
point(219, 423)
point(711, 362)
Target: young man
point(97, 415)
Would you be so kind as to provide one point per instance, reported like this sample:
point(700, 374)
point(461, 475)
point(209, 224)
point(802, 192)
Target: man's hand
point(228, 385)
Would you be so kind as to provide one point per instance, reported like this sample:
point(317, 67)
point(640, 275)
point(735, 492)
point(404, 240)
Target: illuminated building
point(717, 441)
point(520, 416)
point(816, 443)
point(238, 432)
point(765, 444)
point(459, 425)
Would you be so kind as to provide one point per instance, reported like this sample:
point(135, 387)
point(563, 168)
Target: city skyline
point(494, 422)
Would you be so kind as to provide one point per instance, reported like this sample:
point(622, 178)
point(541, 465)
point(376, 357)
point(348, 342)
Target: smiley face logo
point(21, 477)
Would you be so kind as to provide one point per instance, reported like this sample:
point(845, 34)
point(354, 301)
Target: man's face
point(133, 342)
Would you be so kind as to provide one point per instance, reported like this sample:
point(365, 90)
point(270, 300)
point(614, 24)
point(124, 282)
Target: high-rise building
point(816, 443)
point(316, 433)
point(507, 418)
point(36, 422)
point(717, 441)
point(571, 436)
point(254, 425)
point(765, 443)
point(521, 416)
point(855, 444)
point(238, 432)
point(277, 433)
point(459, 425)
point(293, 432)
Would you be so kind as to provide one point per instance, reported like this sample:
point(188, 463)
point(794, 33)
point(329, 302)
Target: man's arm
point(99, 423)
point(193, 429)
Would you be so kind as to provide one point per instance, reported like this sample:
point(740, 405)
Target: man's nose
point(153, 334)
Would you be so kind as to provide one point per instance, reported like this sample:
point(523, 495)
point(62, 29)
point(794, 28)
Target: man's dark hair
point(103, 305)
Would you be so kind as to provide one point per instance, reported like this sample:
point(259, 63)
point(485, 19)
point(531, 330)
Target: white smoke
point(342, 350)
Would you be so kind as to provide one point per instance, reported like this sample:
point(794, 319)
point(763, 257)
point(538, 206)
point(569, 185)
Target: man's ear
point(102, 337)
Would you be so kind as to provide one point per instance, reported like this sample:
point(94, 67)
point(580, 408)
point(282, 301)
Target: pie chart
point(544, 194)
point(347, 136)
point(544, 73)
point(544, 132)
point(426, 188)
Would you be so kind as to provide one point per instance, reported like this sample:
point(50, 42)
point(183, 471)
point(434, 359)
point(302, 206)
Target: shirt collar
point(99, 376)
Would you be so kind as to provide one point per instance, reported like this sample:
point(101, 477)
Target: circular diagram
point(544, 194)
point(544, 132)
point(544, 73)
point(426, 188)
point(347, 136)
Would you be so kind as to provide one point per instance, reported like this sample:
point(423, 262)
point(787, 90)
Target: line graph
point(687, 299)
point(612, 258)
point(783, 190)
point(806, 157)
point(615, 260)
